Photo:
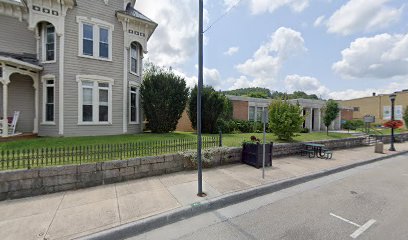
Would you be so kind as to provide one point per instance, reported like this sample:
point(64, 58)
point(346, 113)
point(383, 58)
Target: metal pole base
point(202, 194)
point(392, 149)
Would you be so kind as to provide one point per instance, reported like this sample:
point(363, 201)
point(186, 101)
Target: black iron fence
point(51, 156)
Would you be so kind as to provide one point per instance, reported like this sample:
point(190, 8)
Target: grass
point(229, 140)
point(385, 131)
point(235, 140)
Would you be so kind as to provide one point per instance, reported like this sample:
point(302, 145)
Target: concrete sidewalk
point(73, 214)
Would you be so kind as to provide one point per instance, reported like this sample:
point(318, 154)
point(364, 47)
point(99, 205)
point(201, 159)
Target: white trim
point(21, 63)
point(125, 87)
point(95, 98)
point(97, 24)
point(61, 86)
point(43, 44)
point(44, 80)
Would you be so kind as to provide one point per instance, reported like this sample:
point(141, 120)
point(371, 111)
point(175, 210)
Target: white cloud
point(266, 62)
point(312, 85)
point(309, 85)
point(230, 3)
point(318, 22)
point(382, 56)
point(231, 51)
point(361, 16)
point(261, 6)
point(211, 77)
point(175, 39)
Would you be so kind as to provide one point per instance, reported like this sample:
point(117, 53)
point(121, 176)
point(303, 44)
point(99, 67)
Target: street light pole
point(392, 98)
point(199, 90)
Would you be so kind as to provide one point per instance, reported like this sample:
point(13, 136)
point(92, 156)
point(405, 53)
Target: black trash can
point(252, 154)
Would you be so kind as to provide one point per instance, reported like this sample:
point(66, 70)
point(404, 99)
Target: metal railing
point(53, 156)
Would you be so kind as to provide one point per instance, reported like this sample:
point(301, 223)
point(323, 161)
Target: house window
point(87, 101)
point(103, 101)
point(134, 105)
point(48, 99)
point(88, 40)
point(49, 43)
point(103, 43)
point(95, 99)
point(356, 109)
point(134, 56)
point(95, 38)
point(1, 72)
point(251, 116)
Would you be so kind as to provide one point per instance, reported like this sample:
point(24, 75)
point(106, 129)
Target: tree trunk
point(327, 130)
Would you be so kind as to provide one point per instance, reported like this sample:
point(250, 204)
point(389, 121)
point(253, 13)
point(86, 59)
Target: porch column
point(36, 104)
point(311, 120)
point(5, 110)
point(319, 119)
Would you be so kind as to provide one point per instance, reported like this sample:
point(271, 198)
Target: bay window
point(48, 99)
point(134, 58)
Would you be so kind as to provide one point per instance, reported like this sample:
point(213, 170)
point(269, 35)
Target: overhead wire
point(222, 16)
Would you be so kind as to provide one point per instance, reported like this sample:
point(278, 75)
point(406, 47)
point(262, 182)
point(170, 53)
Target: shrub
point(353, 124)
point(285, 119)
point(164, 98)
point(405, 117)
point(330, 113)
point(305, 130)
point(213, 105)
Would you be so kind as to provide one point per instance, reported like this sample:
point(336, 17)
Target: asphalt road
point(368, 202)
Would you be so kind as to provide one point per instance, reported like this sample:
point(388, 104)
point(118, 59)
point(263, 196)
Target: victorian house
point(72, 67)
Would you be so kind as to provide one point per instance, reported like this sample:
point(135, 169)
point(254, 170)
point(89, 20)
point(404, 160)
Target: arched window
point(134, 58)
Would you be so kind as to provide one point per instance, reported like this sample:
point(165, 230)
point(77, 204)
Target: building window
point(87, 40)
point(134, 58)
point(87, 101)
point(251, 115)
point(356, 109)
point(49, 43)
point(48, 99)
point(95, 100)
point(103, 101)
point(1, 72)
point(134, 105)
point(103, 43)
point(95, 38)
point(259, 111)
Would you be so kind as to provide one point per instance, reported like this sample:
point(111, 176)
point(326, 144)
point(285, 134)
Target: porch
point(19, 78)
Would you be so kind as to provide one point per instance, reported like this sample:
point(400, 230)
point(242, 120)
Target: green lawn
point(229, 140)
point(385, 131)
point(234, 140)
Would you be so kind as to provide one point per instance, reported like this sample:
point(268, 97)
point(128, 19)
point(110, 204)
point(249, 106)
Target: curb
point(144, 225)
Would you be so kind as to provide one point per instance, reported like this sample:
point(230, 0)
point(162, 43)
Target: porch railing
point(52, 156)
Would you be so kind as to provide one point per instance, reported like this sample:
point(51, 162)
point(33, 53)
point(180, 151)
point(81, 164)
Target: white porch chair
point(12, 125)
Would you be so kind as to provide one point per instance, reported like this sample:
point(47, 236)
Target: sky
point(332, 48)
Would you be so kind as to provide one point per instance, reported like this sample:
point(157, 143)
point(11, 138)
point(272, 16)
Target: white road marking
point(362, 228)
point(347, 221)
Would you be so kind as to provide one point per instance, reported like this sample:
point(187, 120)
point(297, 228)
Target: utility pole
point(199, 90)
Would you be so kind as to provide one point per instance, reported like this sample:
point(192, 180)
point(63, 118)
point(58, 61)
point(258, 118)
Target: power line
point(222, 16)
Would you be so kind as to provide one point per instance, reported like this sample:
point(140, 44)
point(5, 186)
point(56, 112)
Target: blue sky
point(335, 49)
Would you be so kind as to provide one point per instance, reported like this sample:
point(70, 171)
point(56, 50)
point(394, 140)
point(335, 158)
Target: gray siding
point(75, 65)
point(15, 36)
point(20, 98)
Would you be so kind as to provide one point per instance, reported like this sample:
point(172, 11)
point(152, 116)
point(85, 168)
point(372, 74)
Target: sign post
point(264, 121)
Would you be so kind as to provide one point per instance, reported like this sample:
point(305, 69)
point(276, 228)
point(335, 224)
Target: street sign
point(265, 116)
point(369, 119)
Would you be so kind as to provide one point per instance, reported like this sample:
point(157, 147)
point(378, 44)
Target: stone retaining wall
point(25, 183)
point(403, 137)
